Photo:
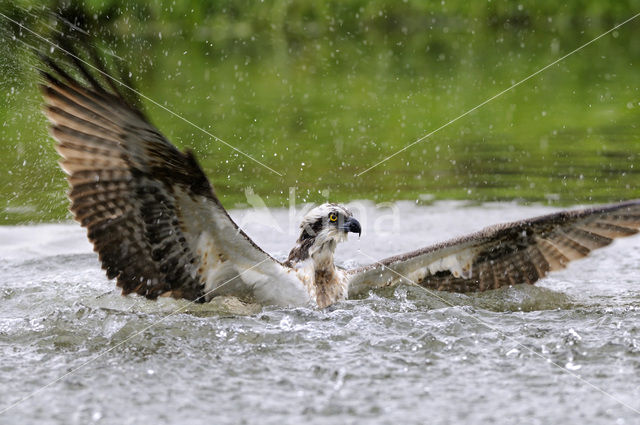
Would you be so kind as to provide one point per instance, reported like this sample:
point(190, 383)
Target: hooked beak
point(351, 225)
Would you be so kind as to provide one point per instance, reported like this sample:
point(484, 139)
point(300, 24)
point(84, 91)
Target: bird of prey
point(160, 230)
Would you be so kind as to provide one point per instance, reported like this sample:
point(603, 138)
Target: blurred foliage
point(320, 91)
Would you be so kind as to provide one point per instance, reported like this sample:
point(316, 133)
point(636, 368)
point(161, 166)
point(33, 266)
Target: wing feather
point(149, 210)
point(507, 254)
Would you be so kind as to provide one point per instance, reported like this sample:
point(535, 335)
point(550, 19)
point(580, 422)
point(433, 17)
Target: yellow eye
point(333, 217)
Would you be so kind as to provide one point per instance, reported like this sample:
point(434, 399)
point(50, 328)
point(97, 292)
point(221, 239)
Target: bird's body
point(160, 230)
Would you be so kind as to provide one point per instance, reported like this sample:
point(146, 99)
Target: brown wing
point(507, 254)
point(149, 210)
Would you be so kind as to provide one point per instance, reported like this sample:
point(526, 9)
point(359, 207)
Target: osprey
point(160, 230)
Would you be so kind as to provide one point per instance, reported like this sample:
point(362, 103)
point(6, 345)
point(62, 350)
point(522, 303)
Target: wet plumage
point(160, 230)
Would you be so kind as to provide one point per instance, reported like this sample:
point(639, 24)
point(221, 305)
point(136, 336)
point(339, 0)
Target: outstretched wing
point(506, 254)
point(149, 210)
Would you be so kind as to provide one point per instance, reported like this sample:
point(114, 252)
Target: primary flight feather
point(160, 230)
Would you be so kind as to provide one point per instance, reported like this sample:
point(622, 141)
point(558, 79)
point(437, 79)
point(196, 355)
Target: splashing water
point(399, 354)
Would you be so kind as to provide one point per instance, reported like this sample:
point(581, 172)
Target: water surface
point(321, 91)
point(401, 355)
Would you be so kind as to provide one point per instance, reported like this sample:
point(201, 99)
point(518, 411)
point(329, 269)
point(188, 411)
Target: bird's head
point(321, 230)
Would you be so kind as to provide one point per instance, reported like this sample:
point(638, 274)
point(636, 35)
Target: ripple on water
point(395, 355)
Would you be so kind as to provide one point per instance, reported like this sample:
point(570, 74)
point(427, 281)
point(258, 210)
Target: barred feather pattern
point(126, 180)
point(507, 254)
point(149, 210)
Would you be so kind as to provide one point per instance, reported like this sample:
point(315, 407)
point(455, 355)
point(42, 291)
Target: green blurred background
point(320, 91)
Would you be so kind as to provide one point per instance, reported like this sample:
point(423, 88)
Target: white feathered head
point(321, 229)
